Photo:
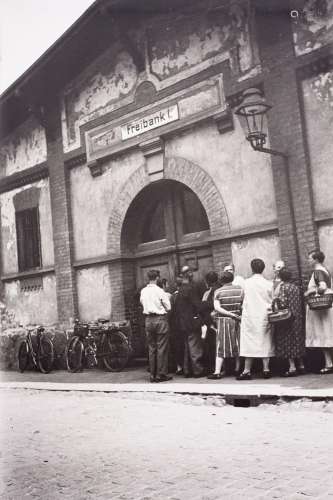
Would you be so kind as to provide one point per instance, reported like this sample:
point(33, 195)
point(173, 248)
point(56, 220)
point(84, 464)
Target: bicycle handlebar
point(100, 325)
point(36, 328)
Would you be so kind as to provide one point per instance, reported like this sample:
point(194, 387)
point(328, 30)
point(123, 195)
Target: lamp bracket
point(270, 151)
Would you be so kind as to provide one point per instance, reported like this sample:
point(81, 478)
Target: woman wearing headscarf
point(289, 335)
point(319, 324)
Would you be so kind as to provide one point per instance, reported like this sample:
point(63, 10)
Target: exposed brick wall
point(286, 132)
point(125, 300)
point(117, 291)
point(177, 169)
point(221, 255)
point(61, 218)
point(182, 170)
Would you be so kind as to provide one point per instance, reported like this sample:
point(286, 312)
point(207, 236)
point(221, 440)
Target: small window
point(154, 224)
point(28, 239)
point(194, 215)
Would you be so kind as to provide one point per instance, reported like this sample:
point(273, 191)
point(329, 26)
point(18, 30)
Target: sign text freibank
point(155, 120)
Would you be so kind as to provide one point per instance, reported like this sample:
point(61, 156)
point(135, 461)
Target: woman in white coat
point(256, 339)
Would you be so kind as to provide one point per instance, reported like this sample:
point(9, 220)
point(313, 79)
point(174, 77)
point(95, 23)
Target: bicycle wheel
point(74, 354)
point(23, 356)
point(115, 351)
point(45, 355)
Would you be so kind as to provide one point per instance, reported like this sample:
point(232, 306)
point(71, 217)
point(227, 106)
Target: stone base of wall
point(11, 338)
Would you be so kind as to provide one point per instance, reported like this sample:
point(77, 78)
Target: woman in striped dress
point(228, 303)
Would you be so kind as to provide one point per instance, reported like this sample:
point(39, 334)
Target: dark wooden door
point(172, 232)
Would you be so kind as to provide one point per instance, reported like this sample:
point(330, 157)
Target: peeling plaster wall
point(314, 26)
point(179, 43)
point(8, 227)
point(318, 104)
point(92, 199)
point(244, 250)
point(326, 244)
point(94, 293)
point(22, 149)
point(97, 91)
point(38, 307)
point(176, 48)
point(243, 177)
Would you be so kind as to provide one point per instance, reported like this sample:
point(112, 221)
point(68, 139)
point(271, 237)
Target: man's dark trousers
point(157, 331)
point(193, 353)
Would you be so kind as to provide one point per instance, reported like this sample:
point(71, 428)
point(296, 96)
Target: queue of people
point(196, 334)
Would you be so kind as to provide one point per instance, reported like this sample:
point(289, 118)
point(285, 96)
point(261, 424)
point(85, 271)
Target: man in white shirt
point(156, 304)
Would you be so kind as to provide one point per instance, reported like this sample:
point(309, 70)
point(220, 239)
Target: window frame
point(28, 261)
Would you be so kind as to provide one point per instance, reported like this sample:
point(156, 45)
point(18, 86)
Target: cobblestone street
point(78, 445)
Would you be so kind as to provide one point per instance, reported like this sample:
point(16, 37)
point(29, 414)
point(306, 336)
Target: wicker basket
point(318, 302)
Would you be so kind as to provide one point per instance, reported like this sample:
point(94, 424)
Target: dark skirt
point(227, 337)
point(289, 337)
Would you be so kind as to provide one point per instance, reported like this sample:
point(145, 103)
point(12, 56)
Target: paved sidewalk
point(135, 379)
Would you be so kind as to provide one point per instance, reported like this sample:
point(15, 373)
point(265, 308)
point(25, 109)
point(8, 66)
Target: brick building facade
point(120, 151)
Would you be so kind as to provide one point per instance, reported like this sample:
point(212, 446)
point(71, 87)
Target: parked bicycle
point(112, 346)
point(41, 355)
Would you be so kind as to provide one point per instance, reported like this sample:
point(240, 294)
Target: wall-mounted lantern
point(252, 110)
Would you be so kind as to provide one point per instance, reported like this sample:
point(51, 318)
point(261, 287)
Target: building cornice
point(27, 176)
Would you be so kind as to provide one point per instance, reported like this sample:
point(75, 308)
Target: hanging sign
point(149, 122)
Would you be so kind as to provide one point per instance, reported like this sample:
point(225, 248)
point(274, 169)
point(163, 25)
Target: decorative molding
point(324, 218)
point(27, 176)
point(316, 66)
point(28, 274)
point(31, 284)
point(107, 141)
point(191, 246)
point(152, 146)
point(77, 157)
point(77, 160)
point(100, 261)
point(95, 168)
point(224, 121)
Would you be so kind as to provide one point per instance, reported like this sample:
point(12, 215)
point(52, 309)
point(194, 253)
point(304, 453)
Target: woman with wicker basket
point(289, 335)
point(319, 314)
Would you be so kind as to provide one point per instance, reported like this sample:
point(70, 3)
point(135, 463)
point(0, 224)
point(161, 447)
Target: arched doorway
point(166, 227)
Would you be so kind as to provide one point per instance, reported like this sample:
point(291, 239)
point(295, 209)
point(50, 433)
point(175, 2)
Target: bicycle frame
point(84, 332)
point(101, 340)
point(39, 331)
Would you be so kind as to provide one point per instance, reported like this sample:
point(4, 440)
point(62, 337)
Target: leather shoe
point(326, 370)
point(215, 376)
point(267, 374)
point(244, 376)
point(153, 379)
point(163, 378)
point(290, 373)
